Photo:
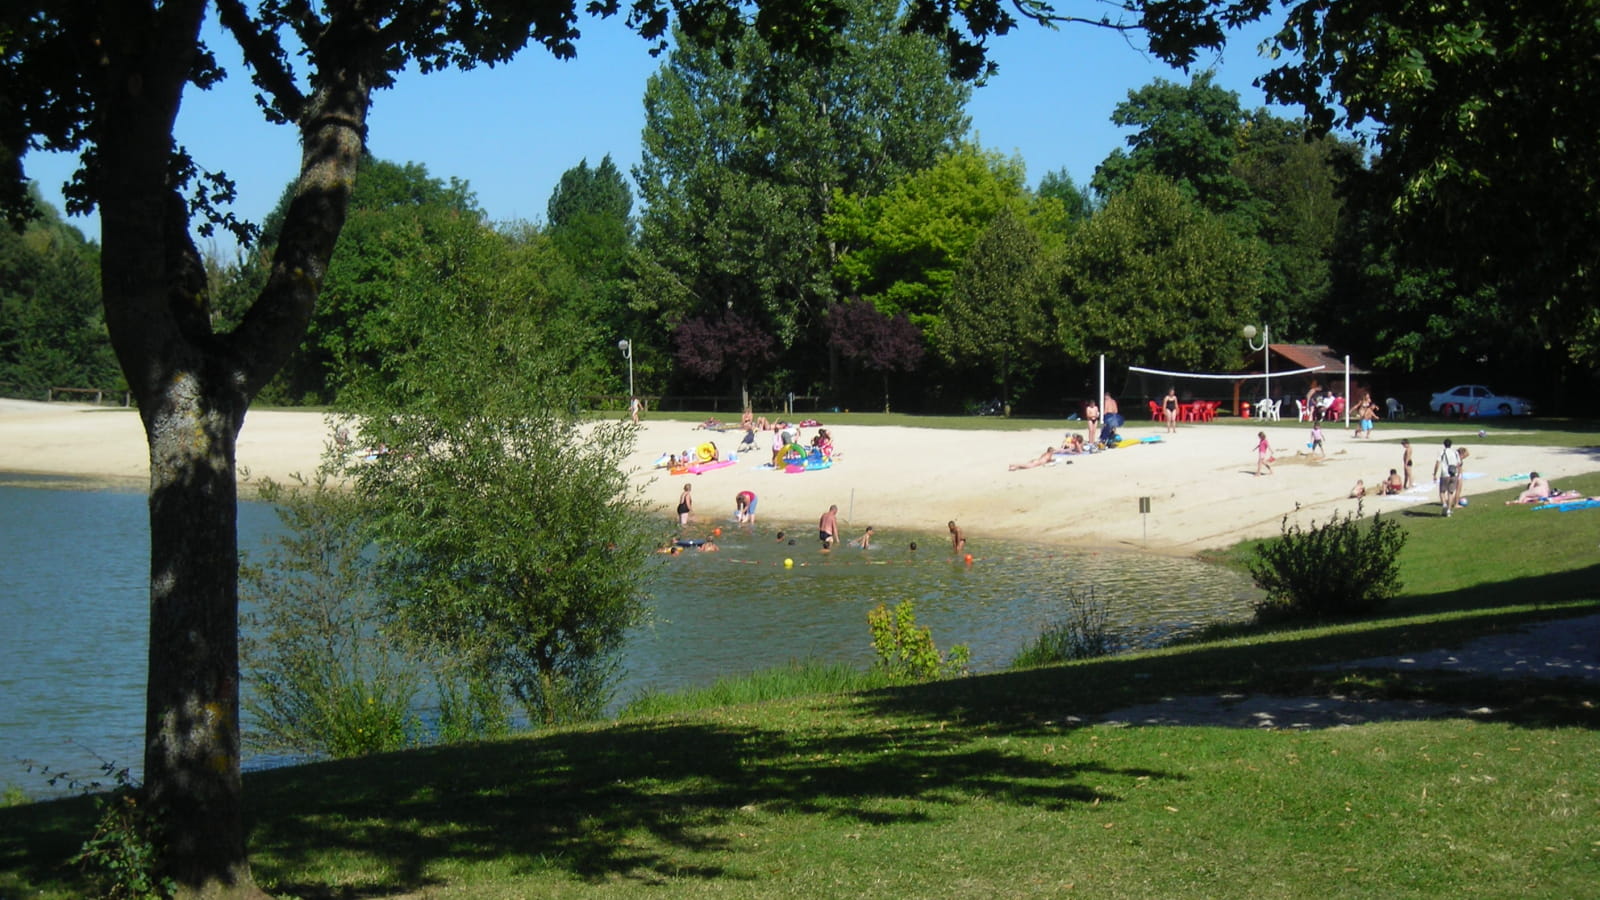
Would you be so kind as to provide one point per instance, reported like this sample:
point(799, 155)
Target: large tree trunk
point(193, 388)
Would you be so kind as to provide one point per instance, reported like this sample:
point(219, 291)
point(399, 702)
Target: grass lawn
point(1001, 785)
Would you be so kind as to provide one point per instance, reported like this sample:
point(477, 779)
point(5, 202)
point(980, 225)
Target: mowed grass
point(1006, 785)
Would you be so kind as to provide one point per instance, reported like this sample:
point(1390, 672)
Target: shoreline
point(1203, 494)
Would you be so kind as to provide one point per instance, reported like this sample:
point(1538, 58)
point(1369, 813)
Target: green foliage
point(470, 708)
point(994, 314)
point(1154, 278)
point(1187, 134)
point(52, 329)
point(1336, 570)
point(326, 675)
point(509, 546)
point(900, 249)
point(122, 856)
point(1480, 169)
point(13, 795)
point(1080, 632)
point(744, 151)
point(906, 651)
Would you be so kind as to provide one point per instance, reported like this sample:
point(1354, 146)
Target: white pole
point(1347, 392)
point(1266, 358)
point(1100, 401)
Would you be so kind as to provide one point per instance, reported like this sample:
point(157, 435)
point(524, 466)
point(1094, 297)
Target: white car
point(1477, 400)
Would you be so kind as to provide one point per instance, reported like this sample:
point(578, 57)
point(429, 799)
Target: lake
point(74, 608)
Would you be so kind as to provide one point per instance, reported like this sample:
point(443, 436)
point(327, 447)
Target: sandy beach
point(1200, 481)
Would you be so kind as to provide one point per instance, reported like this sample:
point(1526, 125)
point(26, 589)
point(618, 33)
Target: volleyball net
point(1151, 384)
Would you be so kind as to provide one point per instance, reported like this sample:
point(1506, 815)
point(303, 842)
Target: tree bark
point(193, 388)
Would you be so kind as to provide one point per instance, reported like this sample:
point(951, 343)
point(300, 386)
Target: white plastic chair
point(1275, 411)
point(1305, 411)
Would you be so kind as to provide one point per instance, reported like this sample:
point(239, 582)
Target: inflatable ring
point(794, 452)
point(707, 452)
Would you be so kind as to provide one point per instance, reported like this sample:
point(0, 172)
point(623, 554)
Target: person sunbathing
point(1538, 491)
point(1043, 458)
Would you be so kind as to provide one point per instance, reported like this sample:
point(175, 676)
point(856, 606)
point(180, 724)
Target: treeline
point(832, 230)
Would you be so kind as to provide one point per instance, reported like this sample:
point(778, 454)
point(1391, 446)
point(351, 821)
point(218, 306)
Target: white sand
point(1203, 493)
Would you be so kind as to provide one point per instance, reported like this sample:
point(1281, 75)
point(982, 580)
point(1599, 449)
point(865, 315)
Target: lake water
point(73, 606)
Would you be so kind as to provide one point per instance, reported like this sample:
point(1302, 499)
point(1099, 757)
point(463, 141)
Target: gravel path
point(1567, 648)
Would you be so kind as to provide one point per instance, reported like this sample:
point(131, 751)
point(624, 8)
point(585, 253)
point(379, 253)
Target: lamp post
point(1249, 333)
point(626, 347)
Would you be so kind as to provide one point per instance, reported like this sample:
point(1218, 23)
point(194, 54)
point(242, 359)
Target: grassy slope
point(994, 785)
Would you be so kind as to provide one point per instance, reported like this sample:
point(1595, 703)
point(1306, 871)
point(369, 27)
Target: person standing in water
point(685, 505)
point(828, 527)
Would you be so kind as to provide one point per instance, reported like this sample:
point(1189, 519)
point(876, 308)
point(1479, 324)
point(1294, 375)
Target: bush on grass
point(1339, 569)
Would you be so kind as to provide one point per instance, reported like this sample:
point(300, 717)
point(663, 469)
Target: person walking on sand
point(1406, 463)
point(958, 538)
point(1263, 453)
point(635, 405)
point(1169, 410)
point(1316, 440)
point(828, 528)
point(1447, 468)
point(685, 505)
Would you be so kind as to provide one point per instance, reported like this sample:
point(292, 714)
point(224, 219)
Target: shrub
point(906, 650)
point(325, 675)
point(1335, 570)
point(1080, 633)
point(121, 858)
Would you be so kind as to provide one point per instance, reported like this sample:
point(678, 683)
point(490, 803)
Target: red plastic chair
point(1155, 411)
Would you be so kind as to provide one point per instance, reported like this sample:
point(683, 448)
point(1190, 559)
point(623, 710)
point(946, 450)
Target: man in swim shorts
point(828, 527)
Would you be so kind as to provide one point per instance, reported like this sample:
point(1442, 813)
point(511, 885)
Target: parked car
point(1477, 400)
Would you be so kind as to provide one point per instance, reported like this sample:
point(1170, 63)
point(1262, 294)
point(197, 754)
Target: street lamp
point(626, 347)
point(1249, 333)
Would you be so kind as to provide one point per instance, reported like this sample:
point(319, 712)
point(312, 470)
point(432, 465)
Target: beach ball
point(1463, 501)
point(788, 563)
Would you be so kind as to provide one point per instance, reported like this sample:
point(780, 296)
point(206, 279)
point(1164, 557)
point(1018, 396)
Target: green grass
point(997, 785)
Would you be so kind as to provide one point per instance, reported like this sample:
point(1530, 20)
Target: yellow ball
point(788, 563)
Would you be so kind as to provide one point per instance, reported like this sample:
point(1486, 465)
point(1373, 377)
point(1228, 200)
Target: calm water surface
point(73, 610)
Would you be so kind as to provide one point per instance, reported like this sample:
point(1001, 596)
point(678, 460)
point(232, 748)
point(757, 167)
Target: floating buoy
point(716, 532)
point(969, 559)
point(788, 563)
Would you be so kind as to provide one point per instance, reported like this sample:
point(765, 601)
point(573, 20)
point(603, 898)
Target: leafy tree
point(745, 148)
point(994, 314)
point(1077, 203)
point(1187, 134)
point(877, 342)
point(713, 345)
point(1294, 180)
point(106, 78)
point(1483, 169)
point(325, 677)
point(1154, 278)
point(509, 543)
point(590, 223)
point(52, 332)
point(900, 249)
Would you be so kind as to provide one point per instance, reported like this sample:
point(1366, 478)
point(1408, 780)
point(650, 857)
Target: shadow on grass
point(622, 802)
point(1283, 663)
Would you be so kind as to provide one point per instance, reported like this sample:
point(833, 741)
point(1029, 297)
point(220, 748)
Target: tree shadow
point(578, 801)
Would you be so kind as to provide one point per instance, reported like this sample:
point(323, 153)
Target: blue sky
point(511, 131)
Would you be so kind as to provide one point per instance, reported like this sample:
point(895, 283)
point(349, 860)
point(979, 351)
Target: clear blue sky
point(511, 131)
